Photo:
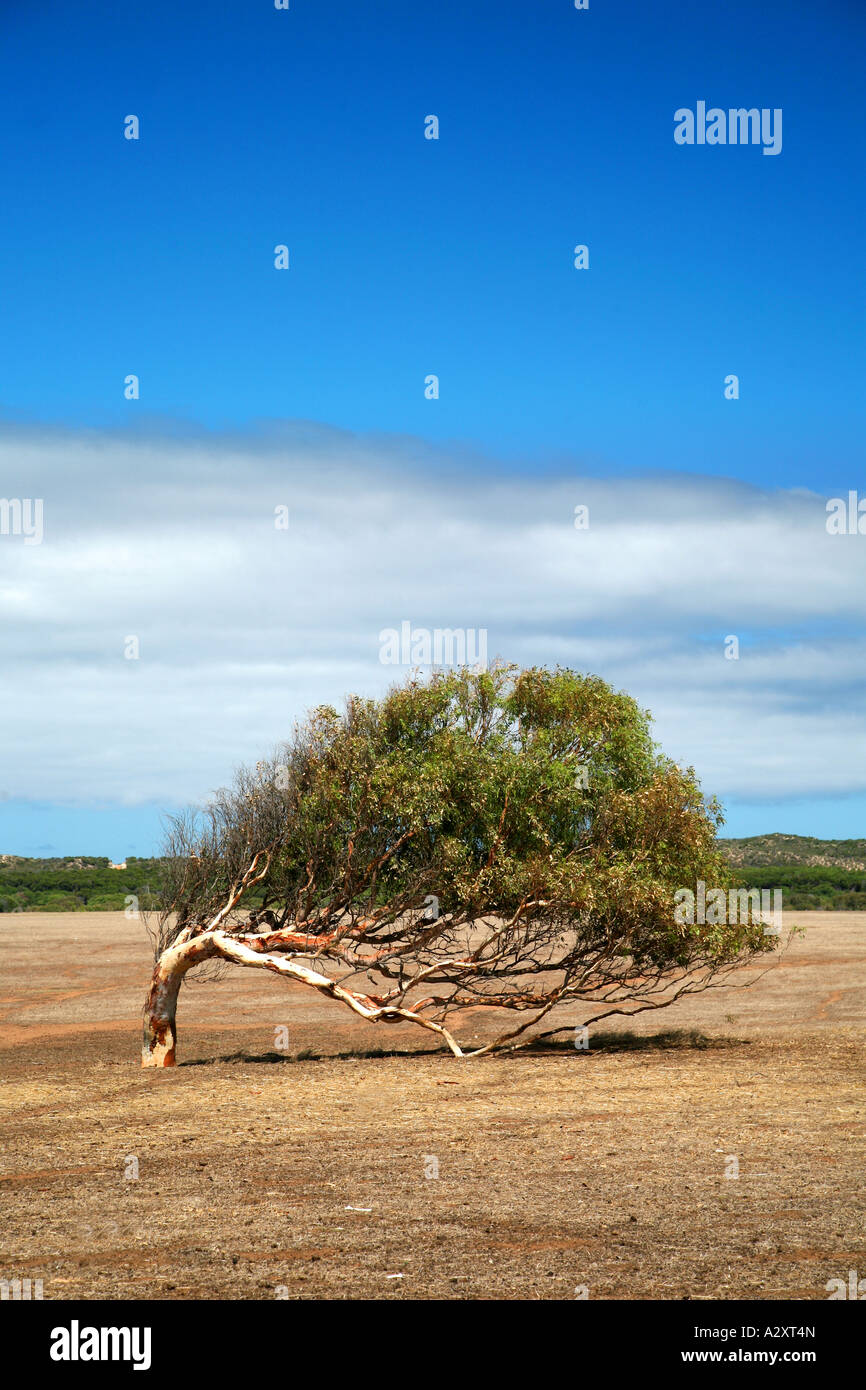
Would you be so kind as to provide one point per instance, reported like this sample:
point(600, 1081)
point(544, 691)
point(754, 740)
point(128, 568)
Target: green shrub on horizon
point(58, 885)
point(50, 885)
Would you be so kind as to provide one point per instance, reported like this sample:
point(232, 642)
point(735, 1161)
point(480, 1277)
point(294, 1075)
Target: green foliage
point(470, 787)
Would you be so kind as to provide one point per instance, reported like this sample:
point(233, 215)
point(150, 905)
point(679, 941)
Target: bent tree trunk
point(159, 1033)
point(460, 793)
point(277, 952)
point(265, 952)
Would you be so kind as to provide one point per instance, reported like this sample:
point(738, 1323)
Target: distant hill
point(796, 849)
point(822, 874)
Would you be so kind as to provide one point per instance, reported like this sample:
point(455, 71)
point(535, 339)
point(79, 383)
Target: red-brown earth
point(264, 1173)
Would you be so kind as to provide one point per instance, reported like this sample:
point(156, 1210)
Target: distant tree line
point(809, 887)
point(82, 883)
point(89, 884)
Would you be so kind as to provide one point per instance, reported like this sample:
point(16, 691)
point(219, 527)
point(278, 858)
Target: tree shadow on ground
point(309, 1054)
point(674, 1039)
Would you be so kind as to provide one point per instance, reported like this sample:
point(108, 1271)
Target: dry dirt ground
point(250, 1172)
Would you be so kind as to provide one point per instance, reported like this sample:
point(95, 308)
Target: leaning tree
point(505, 840)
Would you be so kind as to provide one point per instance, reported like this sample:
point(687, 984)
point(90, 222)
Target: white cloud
point(242, 627)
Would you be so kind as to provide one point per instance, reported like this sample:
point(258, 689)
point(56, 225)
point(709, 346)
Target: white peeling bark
point(159, 1033)
point(232, 949)
point(159, 1042)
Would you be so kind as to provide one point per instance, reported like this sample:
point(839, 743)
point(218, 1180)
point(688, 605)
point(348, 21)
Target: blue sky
point(410, 257)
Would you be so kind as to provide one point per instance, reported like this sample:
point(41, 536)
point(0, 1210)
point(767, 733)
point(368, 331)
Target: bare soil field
point(250, 1172)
